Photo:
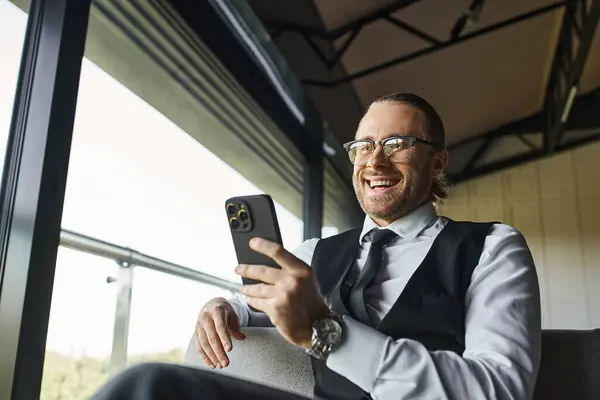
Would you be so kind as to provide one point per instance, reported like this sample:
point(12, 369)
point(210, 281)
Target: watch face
point(330, 331)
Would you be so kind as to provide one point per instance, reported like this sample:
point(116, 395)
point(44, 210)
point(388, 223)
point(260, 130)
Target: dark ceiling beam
point(518, 160)
point(354, 28)
point(330, 63)
point(479, 153)
point(530, 124)
point(578, 26)
point(344, 29)
point(468, 18)
point(526, 141)
point(444, 45)
point(584, 116)
point(340, 53)
point(316, 49)
point(584, 112)
point(371, 17)
point(412, 30)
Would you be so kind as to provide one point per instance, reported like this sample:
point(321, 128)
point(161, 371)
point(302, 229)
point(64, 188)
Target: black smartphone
point(248, 217)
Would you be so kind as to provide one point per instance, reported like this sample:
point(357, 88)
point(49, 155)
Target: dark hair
point(433, 127)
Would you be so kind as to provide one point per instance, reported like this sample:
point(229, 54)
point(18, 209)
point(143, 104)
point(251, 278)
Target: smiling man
point(411, 306)
point(388, 180)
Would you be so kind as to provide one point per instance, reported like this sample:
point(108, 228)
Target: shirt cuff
point(241, 309)
point(247, 317)
point(359, 354)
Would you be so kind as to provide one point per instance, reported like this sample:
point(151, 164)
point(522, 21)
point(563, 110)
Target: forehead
point(386, 119)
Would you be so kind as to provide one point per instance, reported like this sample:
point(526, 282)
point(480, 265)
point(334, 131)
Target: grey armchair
point(570, 365)
point(569, 369)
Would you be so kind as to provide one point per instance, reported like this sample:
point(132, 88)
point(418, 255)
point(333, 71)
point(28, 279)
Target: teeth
point(382, 183)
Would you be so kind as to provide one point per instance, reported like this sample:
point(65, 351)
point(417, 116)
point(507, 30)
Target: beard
point(405, 196)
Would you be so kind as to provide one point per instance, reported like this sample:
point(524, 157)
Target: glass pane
point(13, 22)
point(328, 231)
point(164, 309)
point(80, 332)
point(136, 179)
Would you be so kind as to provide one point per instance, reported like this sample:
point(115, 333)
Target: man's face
point(408, 184)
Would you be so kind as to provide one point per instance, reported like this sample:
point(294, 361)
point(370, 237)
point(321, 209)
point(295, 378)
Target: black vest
point(430, 309)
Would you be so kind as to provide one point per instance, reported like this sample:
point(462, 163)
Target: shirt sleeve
point(259, 319)
point(502, 339)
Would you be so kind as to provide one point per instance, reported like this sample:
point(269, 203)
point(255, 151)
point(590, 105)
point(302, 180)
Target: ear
point(440, 162)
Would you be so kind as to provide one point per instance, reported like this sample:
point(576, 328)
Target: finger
point(275, 251)
point(206, 346)
point(259, 272)
point(197, 335)
point(238, 335)
point(217, 346)
point(223, 332)
point(205, 358)
point(259, 304)
point(259, 290)
point(234, 327)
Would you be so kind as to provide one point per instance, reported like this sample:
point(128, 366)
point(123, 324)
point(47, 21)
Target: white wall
point(553, 202)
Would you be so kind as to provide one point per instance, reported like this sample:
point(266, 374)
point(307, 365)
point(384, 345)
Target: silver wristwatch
point(327, 334)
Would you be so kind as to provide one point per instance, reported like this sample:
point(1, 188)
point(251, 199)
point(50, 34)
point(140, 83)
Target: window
point(139, 178)
point(13, 22)
point(151, 167)
point(80, 330)
point(163, 315)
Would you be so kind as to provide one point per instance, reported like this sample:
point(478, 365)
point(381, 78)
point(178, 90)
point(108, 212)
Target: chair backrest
point(570, 365)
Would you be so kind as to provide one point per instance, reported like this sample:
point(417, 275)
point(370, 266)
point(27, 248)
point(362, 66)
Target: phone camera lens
point(243, 216)
point(231, 208)
point(235, 223)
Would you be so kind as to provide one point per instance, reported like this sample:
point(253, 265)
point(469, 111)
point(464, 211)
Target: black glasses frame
point(412, 140)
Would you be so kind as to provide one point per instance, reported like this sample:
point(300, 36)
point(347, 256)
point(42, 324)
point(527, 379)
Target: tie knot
point(381, 237)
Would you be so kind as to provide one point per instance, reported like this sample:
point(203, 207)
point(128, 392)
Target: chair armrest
point(264, 357)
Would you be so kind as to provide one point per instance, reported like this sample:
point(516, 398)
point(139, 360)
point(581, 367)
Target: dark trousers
point(175, 382)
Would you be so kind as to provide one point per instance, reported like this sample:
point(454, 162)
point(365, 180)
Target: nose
point(378, 158)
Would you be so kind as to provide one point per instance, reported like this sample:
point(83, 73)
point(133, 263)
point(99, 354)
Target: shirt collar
point(407, 227)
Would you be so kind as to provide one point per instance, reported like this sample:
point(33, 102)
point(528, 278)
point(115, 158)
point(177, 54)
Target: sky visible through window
point(137, 180)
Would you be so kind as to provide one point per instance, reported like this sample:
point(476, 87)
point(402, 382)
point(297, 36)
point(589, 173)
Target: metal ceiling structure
point(524, 140)
point(513, 81)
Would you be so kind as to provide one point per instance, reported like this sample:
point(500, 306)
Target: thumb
point(234, 327)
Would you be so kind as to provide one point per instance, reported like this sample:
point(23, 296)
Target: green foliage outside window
point(67, 378)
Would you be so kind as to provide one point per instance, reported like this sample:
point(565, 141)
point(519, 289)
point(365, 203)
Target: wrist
point(306, 344)
point(320, 312)
point(327, 334)
point(323, 311)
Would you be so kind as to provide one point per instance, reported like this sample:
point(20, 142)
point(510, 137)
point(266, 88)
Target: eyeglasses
point(397, 149)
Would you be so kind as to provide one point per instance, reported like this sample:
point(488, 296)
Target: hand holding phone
point(294, 302)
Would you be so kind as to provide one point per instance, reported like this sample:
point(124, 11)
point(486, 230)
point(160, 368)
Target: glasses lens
point(360, 152)
point(397, 149)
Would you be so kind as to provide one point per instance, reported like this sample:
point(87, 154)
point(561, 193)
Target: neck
point(383, 222)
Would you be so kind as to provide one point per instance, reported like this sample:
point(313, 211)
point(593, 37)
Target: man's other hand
point(216, 325)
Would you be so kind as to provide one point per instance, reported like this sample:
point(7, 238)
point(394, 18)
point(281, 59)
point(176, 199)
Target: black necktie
point(356, 300)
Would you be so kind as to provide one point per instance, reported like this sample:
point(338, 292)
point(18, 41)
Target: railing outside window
point(127, 260)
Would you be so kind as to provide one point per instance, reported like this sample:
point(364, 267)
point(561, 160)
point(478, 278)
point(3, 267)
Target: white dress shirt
point(502, 321)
